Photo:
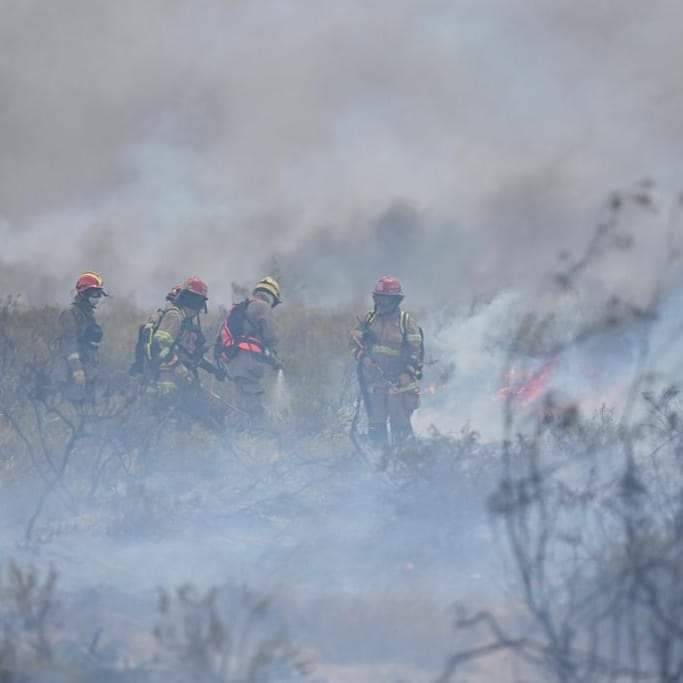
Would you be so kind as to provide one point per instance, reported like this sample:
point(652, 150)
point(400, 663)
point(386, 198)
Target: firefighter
point(389, 348)
point(80, 337)
point(173, 344)
point(246, 345)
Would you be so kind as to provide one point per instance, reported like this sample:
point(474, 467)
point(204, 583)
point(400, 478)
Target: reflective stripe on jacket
point(391, 343)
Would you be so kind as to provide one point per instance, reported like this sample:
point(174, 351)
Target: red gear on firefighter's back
point(247, 343)
point(250, 326)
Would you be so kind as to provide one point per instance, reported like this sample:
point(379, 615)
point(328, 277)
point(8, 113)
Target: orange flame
point(526, 387)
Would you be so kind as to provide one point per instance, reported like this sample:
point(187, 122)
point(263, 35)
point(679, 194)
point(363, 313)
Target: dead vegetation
point(124, 468)
point(590, 508)
point(225, 634)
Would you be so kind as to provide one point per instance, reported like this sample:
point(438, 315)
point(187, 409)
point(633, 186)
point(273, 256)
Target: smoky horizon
point(462, 142)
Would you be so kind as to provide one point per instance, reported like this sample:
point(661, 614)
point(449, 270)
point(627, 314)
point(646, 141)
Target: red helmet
point(195, 286)
point(90, 280)
point(388, 286)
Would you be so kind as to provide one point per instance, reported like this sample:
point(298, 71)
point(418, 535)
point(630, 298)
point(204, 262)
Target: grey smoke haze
point(151, 140)
point(458, 144)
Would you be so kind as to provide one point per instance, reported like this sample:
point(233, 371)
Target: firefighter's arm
point(164, 339)
point(201, 362)
point(414, 344)
point(68, 342)
point(216, 370)
point(260, 314)
point(270, 335)
point(357, 340)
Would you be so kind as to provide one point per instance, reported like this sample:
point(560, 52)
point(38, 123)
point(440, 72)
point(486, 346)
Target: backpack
point(144, 344)
point(231, 332)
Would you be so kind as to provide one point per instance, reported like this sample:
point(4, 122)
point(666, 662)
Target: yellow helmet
point(270, 285)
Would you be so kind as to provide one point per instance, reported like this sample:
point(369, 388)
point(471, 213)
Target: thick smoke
point(463, 146)
point(462, 141)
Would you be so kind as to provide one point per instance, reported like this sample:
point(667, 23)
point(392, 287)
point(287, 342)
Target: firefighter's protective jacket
point(389, 348)
point(79, 338)
point(178, 339)
point(259, 323)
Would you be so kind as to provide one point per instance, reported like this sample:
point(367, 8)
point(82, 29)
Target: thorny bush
point(227, 634)
point(591, 509)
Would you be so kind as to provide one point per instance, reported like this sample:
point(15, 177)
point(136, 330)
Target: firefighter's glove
point(166, 388)
point(271, 358)
point(183, 374)
point(414, 372)
point(220, 374)
point(404, 379)
point(78, 377)
point(368, 363)
point(406, 383)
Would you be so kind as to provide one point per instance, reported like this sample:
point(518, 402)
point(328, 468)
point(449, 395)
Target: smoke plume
point(460, 145)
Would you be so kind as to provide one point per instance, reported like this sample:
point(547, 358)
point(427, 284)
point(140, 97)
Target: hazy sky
point(151, 140)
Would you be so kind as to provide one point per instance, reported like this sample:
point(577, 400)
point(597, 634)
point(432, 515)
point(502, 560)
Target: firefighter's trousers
point(390, 406)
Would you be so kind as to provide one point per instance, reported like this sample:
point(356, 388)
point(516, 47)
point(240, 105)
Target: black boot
point(401, 435)
point(377, 435)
